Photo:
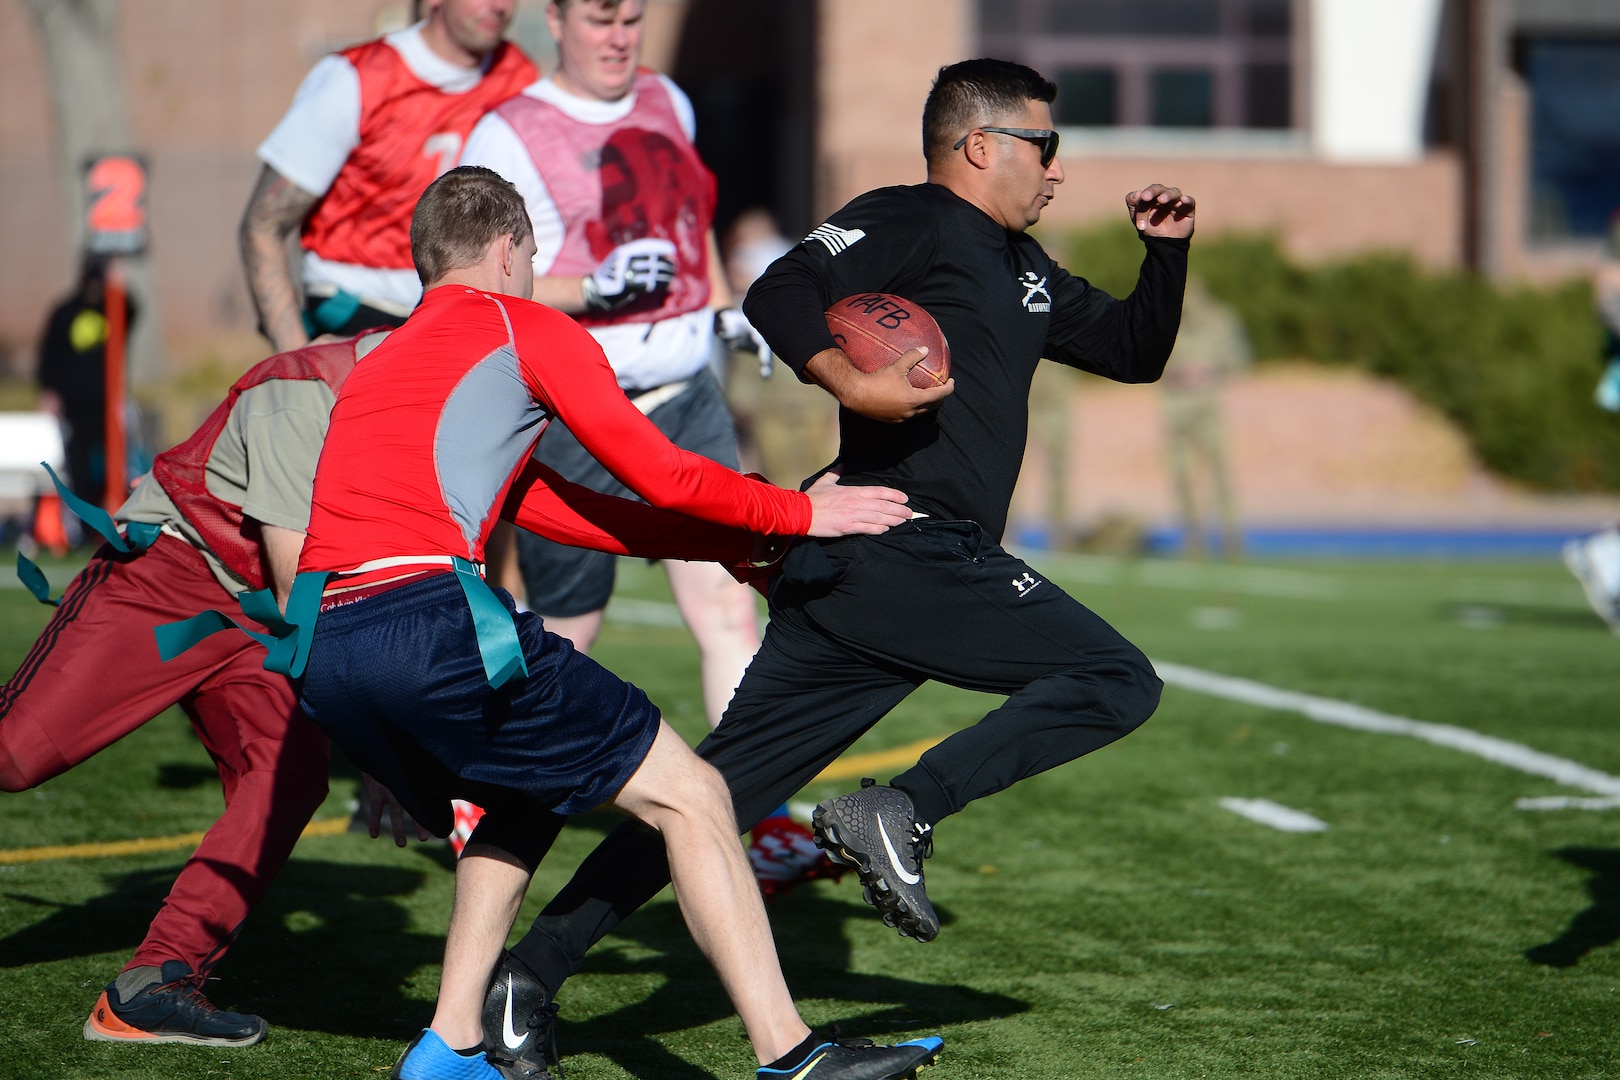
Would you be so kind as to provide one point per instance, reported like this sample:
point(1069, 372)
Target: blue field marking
point(1355, 542)
point(1386, 543)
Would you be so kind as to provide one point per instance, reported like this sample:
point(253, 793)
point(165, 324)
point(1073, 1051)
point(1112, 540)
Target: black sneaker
point(876, 831)
point(857, 1059)
point(520, 1025)
point(171, 1008)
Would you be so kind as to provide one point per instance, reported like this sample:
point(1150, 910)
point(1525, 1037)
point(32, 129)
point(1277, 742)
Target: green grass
point(1107, 919)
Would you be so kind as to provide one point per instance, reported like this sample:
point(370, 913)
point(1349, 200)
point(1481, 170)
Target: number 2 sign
point(115, 201)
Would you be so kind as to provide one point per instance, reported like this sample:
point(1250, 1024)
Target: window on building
point(1164, 63)
point(1271, 18)
point(998, 16)
point(1087, 97)
point(1574, 136)
point(1183, 98)
point(1267, 96)
point(1189, 18)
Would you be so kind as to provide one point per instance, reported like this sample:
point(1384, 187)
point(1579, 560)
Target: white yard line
point(1323, 710)
point(1275, 815)
point(1568, 802)
point(1359, 718)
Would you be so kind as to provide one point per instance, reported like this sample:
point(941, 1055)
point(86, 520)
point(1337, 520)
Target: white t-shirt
point(321, 130)
point(643, 355)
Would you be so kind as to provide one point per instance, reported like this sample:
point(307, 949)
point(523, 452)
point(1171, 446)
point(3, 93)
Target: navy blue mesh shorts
point(396, 680)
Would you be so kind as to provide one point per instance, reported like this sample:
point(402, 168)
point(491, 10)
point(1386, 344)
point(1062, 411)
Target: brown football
point(875, 329)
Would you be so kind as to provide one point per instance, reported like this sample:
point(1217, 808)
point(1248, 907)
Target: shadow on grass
point(329, 949)
point(332, 948)
point(177, 776)
point(810, 935)
point(1599, 924)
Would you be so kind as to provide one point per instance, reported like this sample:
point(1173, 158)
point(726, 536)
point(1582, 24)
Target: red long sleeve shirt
point(431, 437)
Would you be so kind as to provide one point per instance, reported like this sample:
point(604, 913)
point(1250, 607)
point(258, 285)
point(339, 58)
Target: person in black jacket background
point(73, 375)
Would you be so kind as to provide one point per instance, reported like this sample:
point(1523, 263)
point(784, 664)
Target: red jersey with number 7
point(410, 133)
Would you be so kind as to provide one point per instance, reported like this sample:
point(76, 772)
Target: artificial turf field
point(1108, 919)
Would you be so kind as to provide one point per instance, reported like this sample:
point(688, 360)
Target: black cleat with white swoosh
point(520, 1025)
point(876, 831)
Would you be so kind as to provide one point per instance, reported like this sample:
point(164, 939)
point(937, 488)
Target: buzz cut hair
point(973, 93)
point(459, 215)
point(610, 5)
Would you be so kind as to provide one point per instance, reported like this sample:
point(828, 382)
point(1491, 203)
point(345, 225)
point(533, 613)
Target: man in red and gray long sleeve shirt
point(430, 444)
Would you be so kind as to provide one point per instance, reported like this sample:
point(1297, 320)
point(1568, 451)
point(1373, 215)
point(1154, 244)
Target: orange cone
point(49, 531)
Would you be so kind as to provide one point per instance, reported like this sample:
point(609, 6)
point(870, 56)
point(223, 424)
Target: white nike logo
point(909, 879)
point(509, 1036)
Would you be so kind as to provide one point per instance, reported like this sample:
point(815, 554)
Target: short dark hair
point(975, 92)
point(457, 217)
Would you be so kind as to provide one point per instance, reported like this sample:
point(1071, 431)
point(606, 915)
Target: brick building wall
point(206, 82)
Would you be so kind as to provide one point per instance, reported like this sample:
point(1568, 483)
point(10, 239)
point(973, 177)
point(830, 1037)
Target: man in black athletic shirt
point(858, 623)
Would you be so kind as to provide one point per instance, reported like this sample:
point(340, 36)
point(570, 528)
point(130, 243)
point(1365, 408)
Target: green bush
point(1513, 367)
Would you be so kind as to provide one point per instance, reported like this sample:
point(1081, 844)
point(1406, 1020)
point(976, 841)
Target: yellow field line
point(845, 768)
point(855, 766)
point(330, 827)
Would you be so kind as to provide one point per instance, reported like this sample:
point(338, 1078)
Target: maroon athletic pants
point(94, 676)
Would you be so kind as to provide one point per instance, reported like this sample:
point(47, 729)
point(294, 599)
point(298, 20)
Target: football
point(875, 329)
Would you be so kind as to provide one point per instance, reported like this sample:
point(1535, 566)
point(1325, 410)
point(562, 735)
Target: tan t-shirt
point(263, 461)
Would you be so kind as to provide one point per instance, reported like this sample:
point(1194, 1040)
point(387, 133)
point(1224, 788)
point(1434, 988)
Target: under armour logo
point(1026, 584)
point(1034, 286)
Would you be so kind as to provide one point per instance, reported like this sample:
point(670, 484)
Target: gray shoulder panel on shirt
point(488, 425)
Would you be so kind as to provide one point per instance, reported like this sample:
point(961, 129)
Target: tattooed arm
point(278, 206)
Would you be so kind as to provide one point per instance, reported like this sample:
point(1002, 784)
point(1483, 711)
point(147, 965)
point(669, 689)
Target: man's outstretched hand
point(840, 510)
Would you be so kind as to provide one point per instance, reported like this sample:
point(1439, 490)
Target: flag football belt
point(338, 306)
point(290, 635)
point(137, 536)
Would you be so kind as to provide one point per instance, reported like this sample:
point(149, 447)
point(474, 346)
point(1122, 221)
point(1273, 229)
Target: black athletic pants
point(856, 625)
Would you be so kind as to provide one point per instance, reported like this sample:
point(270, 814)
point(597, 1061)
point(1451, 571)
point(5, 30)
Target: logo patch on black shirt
point(1035, 286)
point(835, 239)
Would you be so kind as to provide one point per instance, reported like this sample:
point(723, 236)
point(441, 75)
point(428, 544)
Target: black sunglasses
point(1045, 138)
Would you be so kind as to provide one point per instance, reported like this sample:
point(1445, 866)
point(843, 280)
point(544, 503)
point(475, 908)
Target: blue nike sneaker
point(430, 1058)
point(855, 1059)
